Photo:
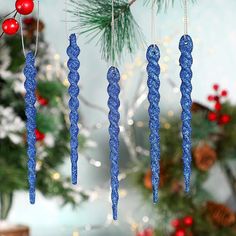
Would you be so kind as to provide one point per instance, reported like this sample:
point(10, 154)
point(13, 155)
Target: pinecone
point(30, 27)
point(204, 157)
point(221, 215)
point(147, 181)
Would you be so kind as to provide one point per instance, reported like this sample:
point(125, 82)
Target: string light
point(57, 56)
point(167, 126)
point(75, 234)
point(170, 113)
point(130, 122)
point(95, 163)
point(56, 176)
point(145, 219)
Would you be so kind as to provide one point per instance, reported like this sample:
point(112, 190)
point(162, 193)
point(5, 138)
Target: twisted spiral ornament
point(153, 70)
point(30, 84)
point(186, 61)
point(113, 77)
point(73, 64)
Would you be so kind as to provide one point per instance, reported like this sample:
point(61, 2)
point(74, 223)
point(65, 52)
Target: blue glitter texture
point(73, 64)
point(30, 84)
point(186, 61)
point(113, 77)
point(153, 70)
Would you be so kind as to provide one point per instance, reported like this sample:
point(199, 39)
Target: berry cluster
point(182, 226)
point(10, 26)
point(216, 115)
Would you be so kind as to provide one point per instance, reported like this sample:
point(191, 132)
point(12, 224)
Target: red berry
point(224, 119)
point(216, 87)
point(10, 26)
point(216, 98)
point(218, 106)
point(210, 98)
point(24, 7)
point(148, 232)
point(212, 116)
point(188, 221)
point(39, 136)
point(224, 93)
point(175, 223)
point(180, 232)
point(42, 101)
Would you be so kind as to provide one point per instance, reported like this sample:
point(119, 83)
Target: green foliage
point(50, 89)
point(16, 54)
point(202, 128)
point(227, 145)
point(95, 18)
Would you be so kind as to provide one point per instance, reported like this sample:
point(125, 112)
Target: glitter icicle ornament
point(113, 77)
point(73, 64)
point(186, 61)
point(153, 70)
point(30, 73)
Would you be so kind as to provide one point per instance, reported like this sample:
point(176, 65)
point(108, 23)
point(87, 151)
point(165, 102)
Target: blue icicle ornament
point(186, 61)
point(153, 70)
point(73, 64)
point(113, 77)
point(30, 84)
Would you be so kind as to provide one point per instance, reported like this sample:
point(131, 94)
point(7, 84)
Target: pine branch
point(95, 18)
point(131, 2)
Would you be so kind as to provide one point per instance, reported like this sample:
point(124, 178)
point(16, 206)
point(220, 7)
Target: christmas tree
point(52, 132)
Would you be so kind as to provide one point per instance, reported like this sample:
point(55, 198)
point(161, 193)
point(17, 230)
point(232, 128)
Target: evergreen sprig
point(95, 17)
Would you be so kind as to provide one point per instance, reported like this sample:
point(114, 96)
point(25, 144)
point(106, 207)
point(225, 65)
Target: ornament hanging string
point(153, 22)
point(37, 33)
point(67, 29)
point(185, 17)
point(112, 31)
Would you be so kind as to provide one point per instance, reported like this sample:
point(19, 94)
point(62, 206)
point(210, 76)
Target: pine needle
point(95, 17)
